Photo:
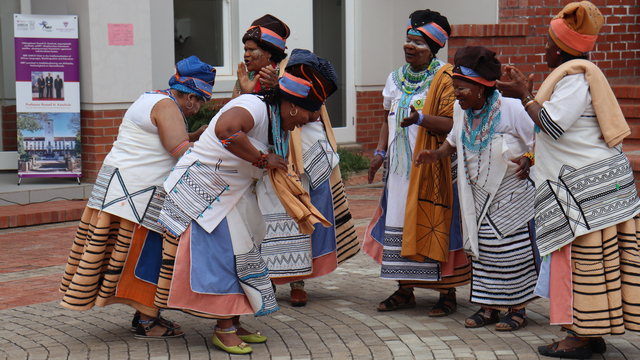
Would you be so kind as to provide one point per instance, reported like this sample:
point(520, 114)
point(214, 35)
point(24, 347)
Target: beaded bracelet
point(531, 156)
point(380, 152)
point(262, 161)
point(227, 141)
point(179, 147)
point(527, 99)
point(420, 119)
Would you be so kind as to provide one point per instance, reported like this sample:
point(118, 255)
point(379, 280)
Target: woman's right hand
point(275, 161)
point(246, 85)
point(425, 157)
point(518, 85)
point(376, 162)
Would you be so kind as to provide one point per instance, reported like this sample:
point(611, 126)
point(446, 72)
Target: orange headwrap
point(575, 28)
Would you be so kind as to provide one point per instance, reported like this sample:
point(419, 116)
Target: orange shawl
point(427, 218)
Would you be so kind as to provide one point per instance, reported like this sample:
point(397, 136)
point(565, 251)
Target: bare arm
point(431, 156)
point(170, 122)
point(239, 119)
point(433, 123)
point(378, 160)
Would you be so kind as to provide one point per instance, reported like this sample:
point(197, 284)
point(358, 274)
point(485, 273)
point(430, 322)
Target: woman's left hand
point(269, 77)
point(518, 85)
point(194, 136)
point(522, 172)
point(411, 119)
point(246, 85)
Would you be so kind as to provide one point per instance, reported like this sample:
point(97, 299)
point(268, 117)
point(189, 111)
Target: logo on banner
point(45, 26)
point(22, 25)
point(32, 24)
point(66, 23)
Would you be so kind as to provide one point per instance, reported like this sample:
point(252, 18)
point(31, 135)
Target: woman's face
point(254, 57)
point(469, 95)
point(301, 117)
point(197, 104)
point(416, 51)
point(551, 55)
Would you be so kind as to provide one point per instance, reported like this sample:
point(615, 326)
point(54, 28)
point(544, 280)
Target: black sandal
point(164, 322)
point(512, 324)
point(391, 303)
point(142, 329)
point(446, 305)
point(480, 320)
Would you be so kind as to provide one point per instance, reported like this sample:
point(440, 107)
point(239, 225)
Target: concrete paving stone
point(443, 354)
point(485, 355)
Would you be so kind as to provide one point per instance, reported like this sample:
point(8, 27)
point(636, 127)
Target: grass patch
point(351, 162)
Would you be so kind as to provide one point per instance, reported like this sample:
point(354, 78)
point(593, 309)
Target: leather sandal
point(512, 323)
point(143, 328)
point(446, 305)
point(598, 345)
point(391, 303)
point(479, 320)
point(164, 322)
point(241, 349)
point(578, 352)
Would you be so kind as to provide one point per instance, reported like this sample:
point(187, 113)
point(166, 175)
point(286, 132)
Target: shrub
point(351, 162)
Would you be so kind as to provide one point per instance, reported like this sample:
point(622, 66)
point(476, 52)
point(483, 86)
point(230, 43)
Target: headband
point(270, 37)
point(576, 43)
point(432, 30)
point(294, 85)
point(468, 73)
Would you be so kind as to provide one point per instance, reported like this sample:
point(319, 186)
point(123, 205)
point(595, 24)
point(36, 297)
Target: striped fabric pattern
point(317, 164)
point(346, 237)
point(96, 260)
point(606, 280)
point(285, 250)
point(511, 203)
point(593, 197)
point(548, 125)
point(505, 274)
point(397, 267)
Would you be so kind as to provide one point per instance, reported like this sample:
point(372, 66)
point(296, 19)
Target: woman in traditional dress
point(586, 199)
point(264, 46)
point(121, 215)
point(212, 266)
point(415, 232)
point(496, 195)
point(290, 255)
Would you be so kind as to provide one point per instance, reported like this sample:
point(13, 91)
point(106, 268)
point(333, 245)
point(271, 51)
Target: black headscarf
point(420, 18)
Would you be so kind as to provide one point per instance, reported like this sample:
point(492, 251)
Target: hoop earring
point(479, 95)
point(291, 113)
point(187, 105)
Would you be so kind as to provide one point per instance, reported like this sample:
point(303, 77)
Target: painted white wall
point(381, 31)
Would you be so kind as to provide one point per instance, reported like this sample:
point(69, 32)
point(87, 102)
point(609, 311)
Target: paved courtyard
point(339, 322)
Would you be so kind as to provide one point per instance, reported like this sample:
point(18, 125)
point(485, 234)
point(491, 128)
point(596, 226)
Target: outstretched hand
point(246, 85)
point(517, 84)
point(425, 157)
point(411, 119)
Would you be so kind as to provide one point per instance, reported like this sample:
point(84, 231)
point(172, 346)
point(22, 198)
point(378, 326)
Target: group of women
point(210, 222)
point(580, 214)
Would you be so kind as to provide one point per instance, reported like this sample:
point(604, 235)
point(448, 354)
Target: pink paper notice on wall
point(120, 34)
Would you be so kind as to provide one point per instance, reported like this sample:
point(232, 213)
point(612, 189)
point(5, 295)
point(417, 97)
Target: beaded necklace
point(280, 137)
point(477, 140)
point(411, 82)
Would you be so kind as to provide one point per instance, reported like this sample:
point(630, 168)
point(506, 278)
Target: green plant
point(351, 162)
point(204, 116)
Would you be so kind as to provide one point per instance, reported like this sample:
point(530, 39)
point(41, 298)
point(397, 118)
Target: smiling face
point(254, 57)
point(416, 51)
point(469, 95)
point(302, 116)
point(551, 55)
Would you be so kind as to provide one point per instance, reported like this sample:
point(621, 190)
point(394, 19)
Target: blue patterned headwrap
point(311, 80)
point(194, 77)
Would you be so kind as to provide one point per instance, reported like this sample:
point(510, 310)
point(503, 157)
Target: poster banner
point(47, 96)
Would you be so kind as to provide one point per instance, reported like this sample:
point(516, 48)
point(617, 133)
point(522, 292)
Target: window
point(203, 28)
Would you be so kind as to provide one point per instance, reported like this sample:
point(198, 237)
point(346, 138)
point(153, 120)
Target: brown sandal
point(142, 329)
point(391, 303)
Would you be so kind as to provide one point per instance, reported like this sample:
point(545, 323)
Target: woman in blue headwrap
point(116, 255)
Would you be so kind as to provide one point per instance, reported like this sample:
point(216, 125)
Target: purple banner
point(46, 55)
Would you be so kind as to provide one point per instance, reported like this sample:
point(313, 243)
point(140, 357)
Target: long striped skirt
point(605, 283)
point(504, 275)
point(100, 268)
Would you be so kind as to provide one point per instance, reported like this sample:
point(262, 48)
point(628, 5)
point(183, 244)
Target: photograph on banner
point(49, 144)
point(41, 91)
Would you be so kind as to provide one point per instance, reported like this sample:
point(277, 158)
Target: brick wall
point(9, 128)
point(99, 131)
point(370, 115)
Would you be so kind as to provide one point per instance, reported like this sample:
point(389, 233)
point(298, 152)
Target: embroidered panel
point(252, 272)
point(582, 200)
point(286, 251)
point(317, 163)
point(512, 204)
